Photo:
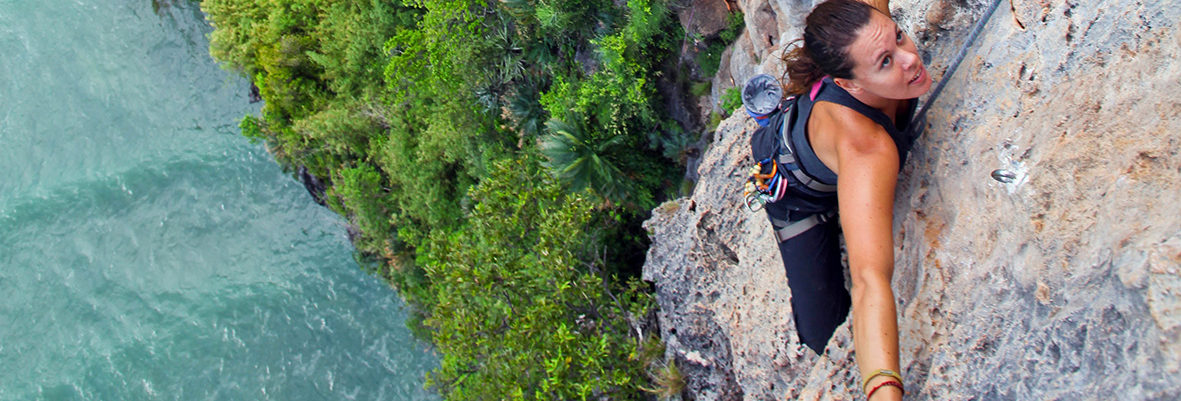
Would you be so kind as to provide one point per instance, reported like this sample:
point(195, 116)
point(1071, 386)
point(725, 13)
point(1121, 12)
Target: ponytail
point(801, 70)
point(828, 31)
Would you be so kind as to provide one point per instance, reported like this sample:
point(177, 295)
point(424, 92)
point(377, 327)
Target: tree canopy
point(496, 159)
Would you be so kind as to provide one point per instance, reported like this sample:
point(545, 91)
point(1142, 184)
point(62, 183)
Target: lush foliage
point(731, 100)
point(537, 319)
point(496, 159)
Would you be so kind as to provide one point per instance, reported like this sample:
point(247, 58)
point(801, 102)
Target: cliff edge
point(1062, 284)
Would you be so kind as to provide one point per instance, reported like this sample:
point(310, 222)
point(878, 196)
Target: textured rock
point(705, 18)
point(1062, 284)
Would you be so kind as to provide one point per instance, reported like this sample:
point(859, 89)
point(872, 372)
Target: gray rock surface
point(1060, 285)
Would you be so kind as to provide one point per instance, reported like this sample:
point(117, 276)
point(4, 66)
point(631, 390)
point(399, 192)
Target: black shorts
point(819, 300)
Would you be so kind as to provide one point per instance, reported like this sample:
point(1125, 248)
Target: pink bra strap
point(816, 88)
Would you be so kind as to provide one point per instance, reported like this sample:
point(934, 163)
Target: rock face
point(1062, 284)
point(703, 18)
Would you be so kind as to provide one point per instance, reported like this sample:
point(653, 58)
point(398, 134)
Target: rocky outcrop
point(1062, 284)
point(703, 18)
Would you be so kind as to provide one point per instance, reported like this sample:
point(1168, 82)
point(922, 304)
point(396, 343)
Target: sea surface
point(147, 250)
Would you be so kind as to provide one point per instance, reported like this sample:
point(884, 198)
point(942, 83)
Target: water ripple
point(147, 251)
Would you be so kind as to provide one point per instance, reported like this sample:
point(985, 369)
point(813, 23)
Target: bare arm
point(868, 163)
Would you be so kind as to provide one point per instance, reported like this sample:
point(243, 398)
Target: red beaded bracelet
point(886, 383)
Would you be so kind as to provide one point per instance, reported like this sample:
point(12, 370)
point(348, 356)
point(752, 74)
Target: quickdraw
point(758, 189)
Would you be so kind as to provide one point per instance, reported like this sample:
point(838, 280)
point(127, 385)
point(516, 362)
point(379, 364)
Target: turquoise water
point(147, 250)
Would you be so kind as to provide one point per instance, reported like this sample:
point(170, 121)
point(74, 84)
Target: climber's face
point(886, 62)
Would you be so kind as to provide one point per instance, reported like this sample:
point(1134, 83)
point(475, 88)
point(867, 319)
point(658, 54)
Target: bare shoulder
point(836, 130)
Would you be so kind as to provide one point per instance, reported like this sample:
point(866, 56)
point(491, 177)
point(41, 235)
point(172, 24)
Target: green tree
point(427, 119)
point(526, 109)
point(359, 196)
point(582, 159)
point(520, 311)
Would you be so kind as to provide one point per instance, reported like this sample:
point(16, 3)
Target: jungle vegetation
point(497, 159)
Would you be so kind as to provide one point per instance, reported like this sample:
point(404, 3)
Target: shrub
point(520, 309)
point(731, 100)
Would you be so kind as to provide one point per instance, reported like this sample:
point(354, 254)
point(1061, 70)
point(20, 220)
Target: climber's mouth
point(918, 76)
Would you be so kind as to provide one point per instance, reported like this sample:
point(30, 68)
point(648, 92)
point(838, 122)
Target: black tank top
point(804, 202)
point(830, 92)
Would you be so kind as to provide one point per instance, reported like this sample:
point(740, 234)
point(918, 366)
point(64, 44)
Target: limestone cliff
point(1060, 285)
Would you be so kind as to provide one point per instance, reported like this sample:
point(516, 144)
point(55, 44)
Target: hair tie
point(880, 372)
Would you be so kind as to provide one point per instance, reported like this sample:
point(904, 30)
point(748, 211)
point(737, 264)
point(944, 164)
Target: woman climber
point(856, 78)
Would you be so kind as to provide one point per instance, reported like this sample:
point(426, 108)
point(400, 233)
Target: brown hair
point(828, 31)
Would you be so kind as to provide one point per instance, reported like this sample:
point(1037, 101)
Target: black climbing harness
point(785, 230)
